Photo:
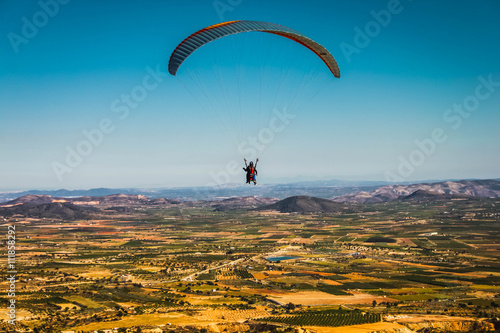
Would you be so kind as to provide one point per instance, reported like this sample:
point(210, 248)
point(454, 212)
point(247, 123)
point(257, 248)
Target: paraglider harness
point(251, 172)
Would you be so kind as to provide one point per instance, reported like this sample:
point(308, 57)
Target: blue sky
point(66, 65)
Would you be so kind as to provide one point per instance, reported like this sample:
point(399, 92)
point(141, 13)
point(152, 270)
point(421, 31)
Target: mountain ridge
point(465, 188)
point(302, 203)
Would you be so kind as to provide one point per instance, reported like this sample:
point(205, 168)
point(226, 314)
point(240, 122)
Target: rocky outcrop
point(450, 326)
point(395, 330)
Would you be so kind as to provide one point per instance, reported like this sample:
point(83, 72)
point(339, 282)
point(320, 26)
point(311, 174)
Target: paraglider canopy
point(216, 31)
point(254, 84)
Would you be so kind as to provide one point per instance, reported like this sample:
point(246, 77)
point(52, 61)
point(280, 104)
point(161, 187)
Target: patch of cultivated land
point(84, 301)
point(212, 300)
point(21, 314)
point(425, 318)
point(321, 298)
point(147, 319)
point(331, 282)
point(233, 315)
point(364, 328)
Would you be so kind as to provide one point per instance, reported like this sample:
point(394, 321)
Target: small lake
point(281, 258)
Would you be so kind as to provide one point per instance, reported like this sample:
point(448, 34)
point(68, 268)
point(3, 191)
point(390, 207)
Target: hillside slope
point(304, 204)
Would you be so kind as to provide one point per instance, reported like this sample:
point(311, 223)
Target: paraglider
point(222, 85)
point(251, 171)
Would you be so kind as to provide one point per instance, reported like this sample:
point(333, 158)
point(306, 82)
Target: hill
point(31, 198)
point(242, 203)
point(55, 210)
point(422, 196)
point(305, 204)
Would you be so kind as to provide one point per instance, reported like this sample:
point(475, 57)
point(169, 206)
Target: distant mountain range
point(86, 207)
point(322, 189)
point(463, 188)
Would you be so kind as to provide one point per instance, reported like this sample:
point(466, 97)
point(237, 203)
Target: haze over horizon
point(273, 183)
point(418, 96)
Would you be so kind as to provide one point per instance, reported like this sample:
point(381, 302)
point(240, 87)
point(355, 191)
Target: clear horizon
point(418, 97)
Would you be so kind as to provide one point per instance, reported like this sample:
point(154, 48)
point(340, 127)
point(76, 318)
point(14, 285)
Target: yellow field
point(96, 274)
point(233, 315)
point(483, 287)
point(331, 282)
point(84, 301)
point(146, 319)
point(207, 300)
point(127, 304)
point(21, 314)
point(360, 277)
point(150, 269)
point(258, 275)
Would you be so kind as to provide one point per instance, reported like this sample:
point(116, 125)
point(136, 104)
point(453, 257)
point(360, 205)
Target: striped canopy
point(213, 32)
